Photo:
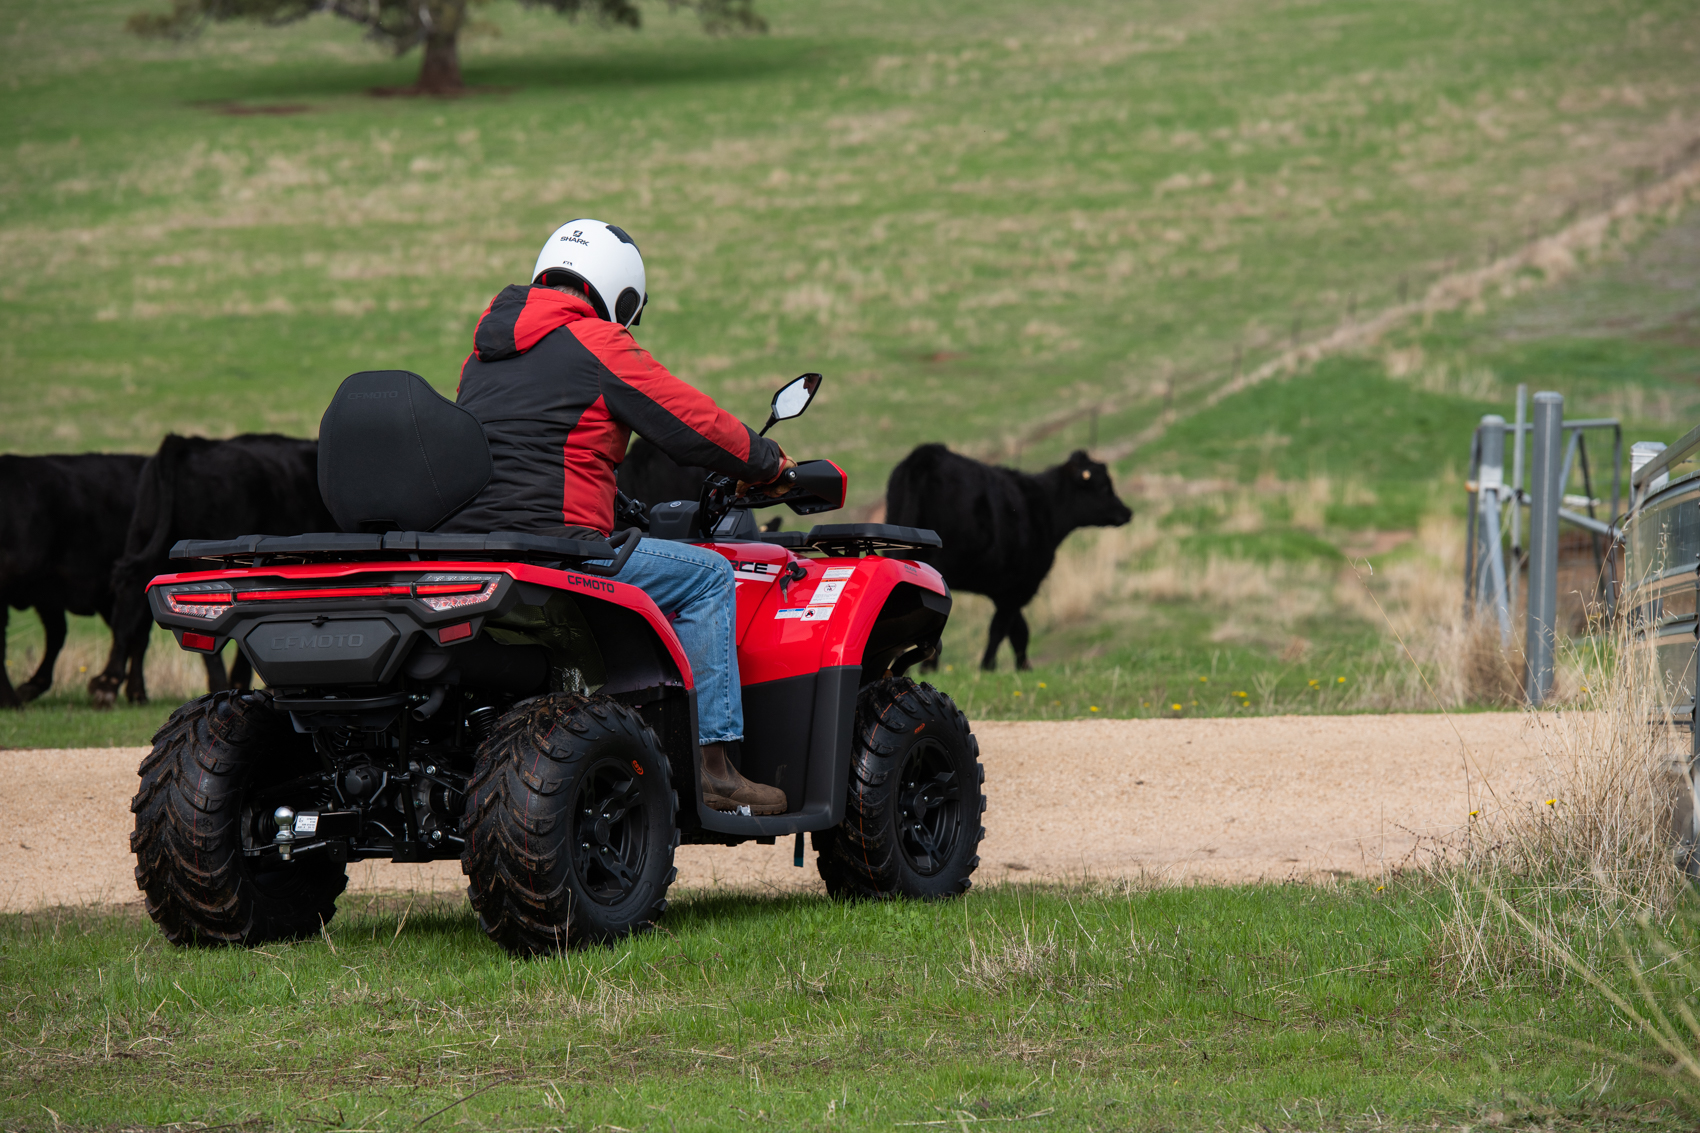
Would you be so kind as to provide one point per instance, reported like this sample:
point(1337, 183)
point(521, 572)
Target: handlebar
point(624, 544)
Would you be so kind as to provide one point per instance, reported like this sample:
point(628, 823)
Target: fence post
point(1489, 583)
point(1516, 493)
point(1546, 492)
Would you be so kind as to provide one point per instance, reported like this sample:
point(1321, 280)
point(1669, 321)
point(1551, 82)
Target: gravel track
point(1214, 800)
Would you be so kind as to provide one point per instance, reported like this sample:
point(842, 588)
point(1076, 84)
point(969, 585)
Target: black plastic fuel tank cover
point(337, 652)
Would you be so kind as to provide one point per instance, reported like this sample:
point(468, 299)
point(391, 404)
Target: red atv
point(504, 699)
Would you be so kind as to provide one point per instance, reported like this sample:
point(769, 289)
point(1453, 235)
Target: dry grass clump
point(1552, 879)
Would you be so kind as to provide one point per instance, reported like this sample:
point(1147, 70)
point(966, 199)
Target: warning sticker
point(794, 612)
point(840, 572)
point(826, 594)
point(817, 614)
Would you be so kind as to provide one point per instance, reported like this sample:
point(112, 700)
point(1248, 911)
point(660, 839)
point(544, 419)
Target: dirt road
point(1206, 800)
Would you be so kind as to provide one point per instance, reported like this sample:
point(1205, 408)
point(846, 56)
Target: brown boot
point(723, 788)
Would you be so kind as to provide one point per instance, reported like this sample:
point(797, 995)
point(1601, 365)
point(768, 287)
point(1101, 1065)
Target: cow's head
point(1088, 497)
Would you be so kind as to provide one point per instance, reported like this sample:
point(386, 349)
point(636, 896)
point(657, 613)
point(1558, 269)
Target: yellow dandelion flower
point(1094, 708)
point(1203, 680)
point(1176, 707)
point(1552, 802)
point(1017, 692)
point(1473, 813)
point(1042, 684)
point(1339, 680)
point(1379, 888)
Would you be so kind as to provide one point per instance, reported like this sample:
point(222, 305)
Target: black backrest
point(394, 454)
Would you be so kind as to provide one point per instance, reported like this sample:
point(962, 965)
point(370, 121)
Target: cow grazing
point(62, 522)
point(649, 475)
point(194, 488)
point(1001, 527)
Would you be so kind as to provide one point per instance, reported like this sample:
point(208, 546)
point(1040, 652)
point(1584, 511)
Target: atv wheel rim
point(929, 815)
point(610, 832)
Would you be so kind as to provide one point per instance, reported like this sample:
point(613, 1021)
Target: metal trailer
point(1661, 536)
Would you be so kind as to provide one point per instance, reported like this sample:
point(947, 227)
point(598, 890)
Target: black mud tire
point(211, 755)
point(545, 872)
point(912, 820)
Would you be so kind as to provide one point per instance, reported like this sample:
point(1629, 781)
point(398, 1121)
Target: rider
point(559, 385)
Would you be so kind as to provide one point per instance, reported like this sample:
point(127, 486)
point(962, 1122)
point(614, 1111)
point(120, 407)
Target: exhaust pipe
point(433, 702)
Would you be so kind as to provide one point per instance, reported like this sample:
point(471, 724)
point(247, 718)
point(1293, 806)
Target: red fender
point(822, 620)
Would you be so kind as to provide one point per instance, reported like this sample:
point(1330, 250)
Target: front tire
point(208, 762)
point(570, 826)
point(912, 820)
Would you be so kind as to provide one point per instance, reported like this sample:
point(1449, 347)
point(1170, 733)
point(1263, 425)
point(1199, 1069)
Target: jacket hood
point(519, 317)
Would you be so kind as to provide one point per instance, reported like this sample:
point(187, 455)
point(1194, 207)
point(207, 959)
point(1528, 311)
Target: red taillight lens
point(439, 592)
point(321, 593)
point(200, 599)
point(444, 592)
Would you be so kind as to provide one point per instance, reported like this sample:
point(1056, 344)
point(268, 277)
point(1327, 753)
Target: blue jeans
point(696, 590)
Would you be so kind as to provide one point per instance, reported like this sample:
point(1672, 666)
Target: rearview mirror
point(791, 400)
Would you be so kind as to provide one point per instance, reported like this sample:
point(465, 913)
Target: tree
point(434, 25)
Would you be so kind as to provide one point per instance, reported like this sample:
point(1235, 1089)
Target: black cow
point(648, 474)
point(194, 488)
point(1001, 527)
point(62, 521)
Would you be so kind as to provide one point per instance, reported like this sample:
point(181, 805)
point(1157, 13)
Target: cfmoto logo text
point(374, 395)
point(319, 641)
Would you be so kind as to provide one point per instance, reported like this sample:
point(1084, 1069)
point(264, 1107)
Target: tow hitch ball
point(284, 817)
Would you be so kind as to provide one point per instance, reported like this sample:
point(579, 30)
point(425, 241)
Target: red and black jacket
point(559, 392)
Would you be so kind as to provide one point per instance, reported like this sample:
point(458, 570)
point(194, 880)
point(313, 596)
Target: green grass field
point(1016, 230)
point(1269, 1008)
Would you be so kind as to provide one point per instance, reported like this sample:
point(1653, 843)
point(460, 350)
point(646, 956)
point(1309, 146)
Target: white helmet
point(602, 258)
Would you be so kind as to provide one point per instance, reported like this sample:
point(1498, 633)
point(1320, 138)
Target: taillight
point(200, 599)
point(441, 592)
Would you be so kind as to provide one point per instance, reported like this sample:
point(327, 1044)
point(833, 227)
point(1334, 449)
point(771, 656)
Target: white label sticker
point(840, 572)
point(307, 823)
point(795, 612)
point(827, 593)
point(817, 613)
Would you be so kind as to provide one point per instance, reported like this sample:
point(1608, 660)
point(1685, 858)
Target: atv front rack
point(864, 538)
point(415, 546)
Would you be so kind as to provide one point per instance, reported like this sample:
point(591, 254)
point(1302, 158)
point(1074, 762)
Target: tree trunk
point(439, 73)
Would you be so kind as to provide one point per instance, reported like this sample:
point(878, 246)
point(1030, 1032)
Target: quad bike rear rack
point(416, 546)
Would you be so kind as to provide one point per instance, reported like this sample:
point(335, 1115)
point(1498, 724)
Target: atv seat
point(396, 455)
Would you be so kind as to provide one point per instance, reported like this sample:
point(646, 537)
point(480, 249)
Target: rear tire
point(212, 755)
point(912, 820)
point(570, 826)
